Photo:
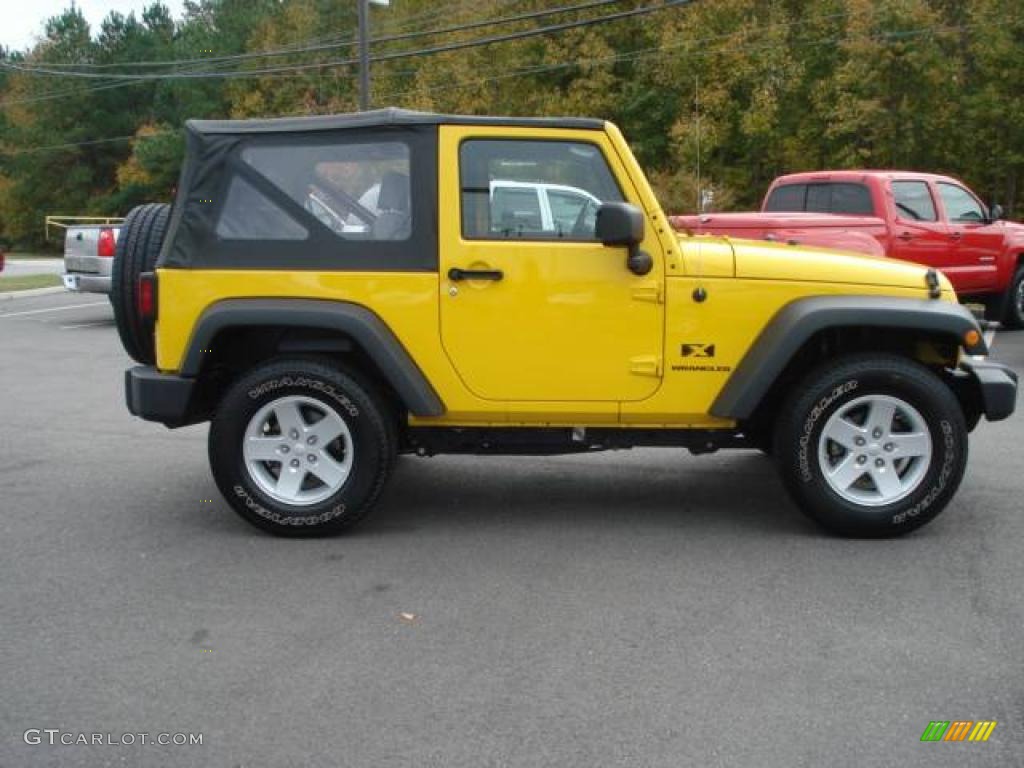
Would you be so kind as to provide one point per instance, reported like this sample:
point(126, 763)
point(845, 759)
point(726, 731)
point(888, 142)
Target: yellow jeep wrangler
point(333, 291)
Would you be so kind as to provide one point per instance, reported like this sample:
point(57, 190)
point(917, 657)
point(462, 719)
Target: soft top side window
point(247, 214)
point(360, 191)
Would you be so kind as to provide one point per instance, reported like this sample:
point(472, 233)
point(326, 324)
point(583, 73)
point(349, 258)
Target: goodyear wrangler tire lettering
point(268, 460)
point(944, 475)
point(274, 517)
point(880, 483)
point(315, 384)
point(812, 419)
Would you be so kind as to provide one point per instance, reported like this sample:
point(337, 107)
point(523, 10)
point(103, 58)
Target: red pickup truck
point(933, 220)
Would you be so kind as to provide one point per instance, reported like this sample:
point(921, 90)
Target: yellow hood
point(759, 260)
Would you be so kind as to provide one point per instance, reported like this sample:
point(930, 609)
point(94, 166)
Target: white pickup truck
point(89, 257)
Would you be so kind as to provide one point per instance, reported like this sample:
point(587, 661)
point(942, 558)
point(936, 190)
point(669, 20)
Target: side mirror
point(996, 213)
point(623, 224)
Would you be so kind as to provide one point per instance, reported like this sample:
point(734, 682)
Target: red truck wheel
point(1013, 312)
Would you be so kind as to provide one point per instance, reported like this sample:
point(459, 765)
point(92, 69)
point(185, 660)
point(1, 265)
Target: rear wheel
point(138, 246)
point(871, 445)
point(300, 448)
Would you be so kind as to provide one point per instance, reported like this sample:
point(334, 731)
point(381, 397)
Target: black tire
point(1013, 303)
point(373, 446)
point(843, 383)
point(138, 246)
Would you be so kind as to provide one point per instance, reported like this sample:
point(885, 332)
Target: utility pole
point(364, 50)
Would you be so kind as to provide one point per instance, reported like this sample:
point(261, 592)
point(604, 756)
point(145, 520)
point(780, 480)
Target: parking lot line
point(990, 338)
point(51, 309)
point(83, 325)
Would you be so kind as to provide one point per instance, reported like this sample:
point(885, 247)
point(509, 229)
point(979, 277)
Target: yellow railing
point(63, 222)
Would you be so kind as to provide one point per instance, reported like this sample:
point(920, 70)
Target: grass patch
point(27, 282)
point(33, 256)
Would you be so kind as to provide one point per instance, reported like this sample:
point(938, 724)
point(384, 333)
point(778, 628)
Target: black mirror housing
point(620, 224)
point(623, 224)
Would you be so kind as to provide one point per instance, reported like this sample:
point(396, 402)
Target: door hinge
point(650, 292)
point(645, 365)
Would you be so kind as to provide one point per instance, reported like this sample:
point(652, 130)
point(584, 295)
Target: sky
point(21, 21)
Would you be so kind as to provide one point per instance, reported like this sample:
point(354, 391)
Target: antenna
point(699, 293)
point(696, 109)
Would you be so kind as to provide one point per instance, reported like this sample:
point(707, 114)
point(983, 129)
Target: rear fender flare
point(364, 327)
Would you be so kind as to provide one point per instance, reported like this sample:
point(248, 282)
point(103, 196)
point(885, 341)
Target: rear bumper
point(996, 387)
point(160, 397)
point(86, 283)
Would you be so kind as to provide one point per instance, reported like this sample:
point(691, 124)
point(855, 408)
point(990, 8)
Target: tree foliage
point(746, 89)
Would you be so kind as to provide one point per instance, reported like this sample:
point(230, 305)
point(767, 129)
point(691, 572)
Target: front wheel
point(300, 448)
point(872, 445)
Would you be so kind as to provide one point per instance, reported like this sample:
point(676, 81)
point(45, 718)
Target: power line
point(77, 144)
point(112, 83)
point(631, 55)
point(334, 39)
point(644, 52)
point(625, 56)
point(489, 40)
point(315, 45)
point(429, 16)
point(128, 80)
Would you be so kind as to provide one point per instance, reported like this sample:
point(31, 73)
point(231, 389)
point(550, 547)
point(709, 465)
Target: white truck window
point(515, 211)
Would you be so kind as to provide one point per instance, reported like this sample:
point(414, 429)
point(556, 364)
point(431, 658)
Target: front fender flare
point(355, 321)
point(793, 325)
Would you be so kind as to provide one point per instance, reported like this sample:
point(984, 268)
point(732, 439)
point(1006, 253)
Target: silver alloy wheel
point(298, 450)
point(1020, 299)
point(875, 450)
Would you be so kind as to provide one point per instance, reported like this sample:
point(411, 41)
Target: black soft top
point(379, 118)
point(214, 166)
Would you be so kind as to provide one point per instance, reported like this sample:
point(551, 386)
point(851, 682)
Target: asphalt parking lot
point(641, 608)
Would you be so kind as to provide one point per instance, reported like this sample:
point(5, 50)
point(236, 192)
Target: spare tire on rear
point(138, 246)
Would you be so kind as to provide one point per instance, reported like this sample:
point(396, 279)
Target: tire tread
point(138, 247)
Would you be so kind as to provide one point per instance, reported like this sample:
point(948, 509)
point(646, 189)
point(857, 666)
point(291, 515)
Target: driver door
point(975, 242)
point(918, 234)
point(534, 307)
